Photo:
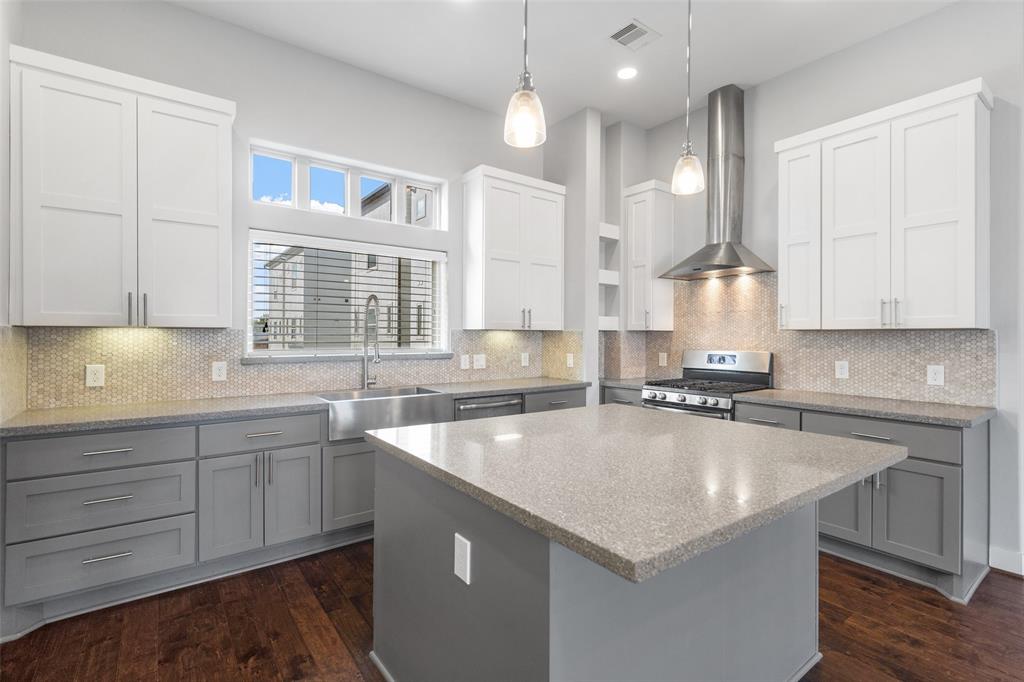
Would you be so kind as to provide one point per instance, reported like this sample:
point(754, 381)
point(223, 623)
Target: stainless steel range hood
point(724, 255)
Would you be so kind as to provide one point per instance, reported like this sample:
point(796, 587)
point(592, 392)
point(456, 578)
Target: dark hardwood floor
point(311, 619)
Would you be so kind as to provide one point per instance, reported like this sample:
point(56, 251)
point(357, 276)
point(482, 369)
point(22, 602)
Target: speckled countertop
point(44, 422)
point(636, 491)
point(630, 383)
point(961, 416)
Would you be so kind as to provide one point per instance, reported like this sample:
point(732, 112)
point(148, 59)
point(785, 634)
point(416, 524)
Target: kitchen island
point(605, 543)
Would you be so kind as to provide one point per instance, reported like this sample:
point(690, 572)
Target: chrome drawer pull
point(622, 401)
point(480, 406)
point(869, 435)
point(122, 555)
point(263, 435)
point(106, 452)
point(557, 402)
point(108, 499)
point(763, 421)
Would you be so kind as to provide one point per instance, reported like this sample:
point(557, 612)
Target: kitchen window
point(307, 296)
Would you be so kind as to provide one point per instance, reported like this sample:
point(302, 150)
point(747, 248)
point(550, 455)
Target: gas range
point(709, 381)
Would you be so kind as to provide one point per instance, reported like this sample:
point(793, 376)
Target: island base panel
point(746, 610)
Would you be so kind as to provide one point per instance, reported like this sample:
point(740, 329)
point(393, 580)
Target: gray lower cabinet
point(917, 513)
point(613, 395)
point(765, 415)
point(347, 485)
point(847, 514)
point(555, 400)
point(230, 505)
point(292, 494)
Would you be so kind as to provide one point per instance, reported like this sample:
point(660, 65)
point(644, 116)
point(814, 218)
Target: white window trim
point(270, 153)
point(314, 242)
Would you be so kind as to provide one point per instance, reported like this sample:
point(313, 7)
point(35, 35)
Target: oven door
point(692, 411)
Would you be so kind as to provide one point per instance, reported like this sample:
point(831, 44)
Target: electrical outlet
point(463, 548)
point(936, 375)
point(219, 370)
point(479, 361)
point(662, 359)
point(95, 375)
point(524, 359)
point(569, 360)
point(463, 362)
point(842, 369)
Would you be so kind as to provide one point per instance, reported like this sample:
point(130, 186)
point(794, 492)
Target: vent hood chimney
point(724, 255)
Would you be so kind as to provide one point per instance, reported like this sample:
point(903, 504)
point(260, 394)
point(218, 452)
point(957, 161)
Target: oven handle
point(693, 413)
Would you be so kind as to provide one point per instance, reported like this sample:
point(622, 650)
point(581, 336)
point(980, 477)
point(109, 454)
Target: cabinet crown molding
point(484, 170)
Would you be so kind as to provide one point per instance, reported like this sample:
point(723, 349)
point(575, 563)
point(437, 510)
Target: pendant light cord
point(689, 28)
point(526, 59)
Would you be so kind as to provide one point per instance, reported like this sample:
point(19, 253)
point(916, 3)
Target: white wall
point(957, 43)
point(291, 96)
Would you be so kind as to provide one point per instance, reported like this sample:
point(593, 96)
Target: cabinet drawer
point(93, 452)
point(781, 417)
point(258, 434)
point(70, 504)
point(45, 568)
point(556, 400)
point(622, 396)
point(922, 442)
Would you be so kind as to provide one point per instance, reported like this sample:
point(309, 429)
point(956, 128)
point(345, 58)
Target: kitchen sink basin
point(353, 412)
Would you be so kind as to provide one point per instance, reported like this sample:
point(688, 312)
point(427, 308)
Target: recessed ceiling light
point(627, 73)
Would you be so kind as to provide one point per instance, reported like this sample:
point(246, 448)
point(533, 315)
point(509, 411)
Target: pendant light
point(688, 176)
point(524, 119)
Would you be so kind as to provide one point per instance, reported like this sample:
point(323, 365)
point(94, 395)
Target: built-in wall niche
point(609, 277)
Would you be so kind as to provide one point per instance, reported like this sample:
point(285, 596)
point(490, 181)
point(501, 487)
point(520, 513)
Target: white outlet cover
point(569, 360)
point(219, 370)
point(662, 359)
point(95, 375)
point(936, 375)
point(463, 558)
point(479, 361)
point(463, 362)
point(524, 359)
point(842, 369)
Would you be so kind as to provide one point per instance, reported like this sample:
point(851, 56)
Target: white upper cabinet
point(904, 217)
point(513, 251)
point(855, 234)
point(800, 237)
point(121, 192)
point(647, 228)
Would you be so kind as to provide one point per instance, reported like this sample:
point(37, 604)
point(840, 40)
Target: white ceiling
point(470, 50)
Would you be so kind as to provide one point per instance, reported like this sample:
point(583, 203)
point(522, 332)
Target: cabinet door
point(934, 223)
point(917, 513)
point(348, 485)
point(541, 247)
point(800, 238)
point(847, 514)
point(292, 493)
point(639, 211)
point(184, 215)
point(78, 196)
point(230, 505)
point(855, 230)
point(503, 262)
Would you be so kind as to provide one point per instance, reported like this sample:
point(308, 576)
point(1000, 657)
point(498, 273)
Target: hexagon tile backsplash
point(739, 313)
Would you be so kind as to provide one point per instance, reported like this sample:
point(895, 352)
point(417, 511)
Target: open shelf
point(608, 277)
point(609, 231)
point(608, 323)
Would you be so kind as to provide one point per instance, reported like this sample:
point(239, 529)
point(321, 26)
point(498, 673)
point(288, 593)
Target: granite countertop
point(635, 491)
point(941, 414)
point(629, 382)
point(42, 422)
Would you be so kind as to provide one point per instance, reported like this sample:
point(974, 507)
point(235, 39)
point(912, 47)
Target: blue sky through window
point(326, 189)
point(271, 180)
point(368, 186)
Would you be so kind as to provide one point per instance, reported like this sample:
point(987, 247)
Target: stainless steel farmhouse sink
point(353, 412)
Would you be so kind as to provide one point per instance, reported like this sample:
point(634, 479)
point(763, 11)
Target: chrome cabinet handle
point(98, 559)
point(145, 310)
point(107, 499)
point(529, 318)
point(270, 468)
point(878, 482)
point(480, 406)
point(896, 310)
point(264, 434)
point(622, 401)
point(557, 402)
point(763, 421)
point(523, 325)
point(869, 435)
point(129, 308)
point(107, 452)
point(782, 316)
point(647, 319)
point(256, 476)
point(882, 312)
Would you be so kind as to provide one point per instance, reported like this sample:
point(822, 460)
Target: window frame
point(273, 154)
point(308, 166)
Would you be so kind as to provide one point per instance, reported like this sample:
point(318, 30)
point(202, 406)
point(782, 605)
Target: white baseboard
point(1006, 560)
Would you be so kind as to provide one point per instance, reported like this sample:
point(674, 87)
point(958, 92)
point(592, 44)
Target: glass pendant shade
point(688, 176)
point(524, 120)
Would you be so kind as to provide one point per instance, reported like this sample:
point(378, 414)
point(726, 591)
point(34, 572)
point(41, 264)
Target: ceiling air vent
point(635, 35)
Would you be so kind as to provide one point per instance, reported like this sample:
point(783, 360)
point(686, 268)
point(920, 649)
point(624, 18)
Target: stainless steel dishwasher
point(489, 406)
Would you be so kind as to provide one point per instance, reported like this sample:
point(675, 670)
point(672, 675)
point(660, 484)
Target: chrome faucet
point(371, 302)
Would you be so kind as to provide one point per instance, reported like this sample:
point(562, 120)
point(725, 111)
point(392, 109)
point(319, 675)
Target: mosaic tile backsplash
point(174, 364)
point(739, 313)
point(557, 345)
point(13, 371)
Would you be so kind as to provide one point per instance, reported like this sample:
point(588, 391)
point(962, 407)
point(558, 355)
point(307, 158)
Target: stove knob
point(681, 398)
point(652, 395)
point(702, 400)
point(714, 402)
point(661, 396)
